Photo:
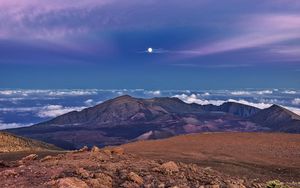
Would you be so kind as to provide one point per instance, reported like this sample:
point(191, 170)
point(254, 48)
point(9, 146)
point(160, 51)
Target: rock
point(28, 159)
point(3, 164)
point(9, 172)
point(84, 149)
point(107, 151)
point(135, 178)
point(71, 182)
point(118, 151)
point(128, 184)
point(95, 149)
point(170, 167)
point(83, 173)
point(212, 186)
point(230, 185)
point(104, 179)
point(47, 158)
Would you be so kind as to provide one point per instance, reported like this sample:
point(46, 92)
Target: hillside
point(278, 118)
point(12, 143)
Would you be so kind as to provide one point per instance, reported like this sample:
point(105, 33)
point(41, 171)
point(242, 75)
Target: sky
point(205, 44)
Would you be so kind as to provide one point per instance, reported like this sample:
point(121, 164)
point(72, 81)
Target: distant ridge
point(278, 118)
point(125, 119)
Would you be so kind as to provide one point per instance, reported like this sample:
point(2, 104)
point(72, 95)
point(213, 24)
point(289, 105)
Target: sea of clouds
point(21, 107)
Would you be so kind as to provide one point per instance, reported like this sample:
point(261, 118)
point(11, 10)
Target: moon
point(150, 50)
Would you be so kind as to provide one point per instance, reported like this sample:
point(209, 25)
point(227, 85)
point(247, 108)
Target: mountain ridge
point(125, 119)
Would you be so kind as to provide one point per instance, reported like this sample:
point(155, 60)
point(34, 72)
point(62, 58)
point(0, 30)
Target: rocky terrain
point(113, 167)
point(13, 143)
point(126, 119)
point(265, 156)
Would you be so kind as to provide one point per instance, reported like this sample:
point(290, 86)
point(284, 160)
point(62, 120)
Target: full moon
point(150, 50)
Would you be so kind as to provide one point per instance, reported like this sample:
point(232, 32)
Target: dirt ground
point(112, 168)
point(264, 156)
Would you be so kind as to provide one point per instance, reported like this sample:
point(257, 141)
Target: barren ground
point(254, 155)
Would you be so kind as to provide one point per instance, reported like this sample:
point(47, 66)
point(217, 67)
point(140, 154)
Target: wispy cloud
point(56, 110)
point(252, 32)
point(12, 125)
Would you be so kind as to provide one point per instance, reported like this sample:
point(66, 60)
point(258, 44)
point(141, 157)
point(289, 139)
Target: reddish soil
point(112, 168)
point(253, 155)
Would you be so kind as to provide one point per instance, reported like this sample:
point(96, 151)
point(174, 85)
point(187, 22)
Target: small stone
point(170, 167)
point(135, 178)
point(9, 172)
point(118, 151)
point(104, 179)
point(95, 149)
point(230, 185)
point(83, 173)
point(3, 164)
point(47, 158)
point(107, 151)
point(71, 182)
point(128, 184)
point(85, 148)
point(30, 157)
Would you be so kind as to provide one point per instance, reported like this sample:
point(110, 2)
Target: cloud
point(56, 110)
point(193, 98)
point(19, 109)
point(12, 125)
point(252, 32)
point(157, 92)
point(289, 92)
point(34, 17)
point(89, 102)
point(263, 92)
point(296, 101)
point(240, 93)
point(73, 93)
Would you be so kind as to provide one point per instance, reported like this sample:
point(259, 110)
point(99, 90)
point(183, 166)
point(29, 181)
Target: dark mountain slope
point(278, 118)
point(125, 109)
point(237, 109)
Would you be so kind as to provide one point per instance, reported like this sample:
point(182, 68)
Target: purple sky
point(256, 36)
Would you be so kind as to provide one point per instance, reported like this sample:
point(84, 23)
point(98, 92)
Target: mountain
point(278, 118)
point(237, 109)
point(125, 109)
point(13, 143)
point(125, 119)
